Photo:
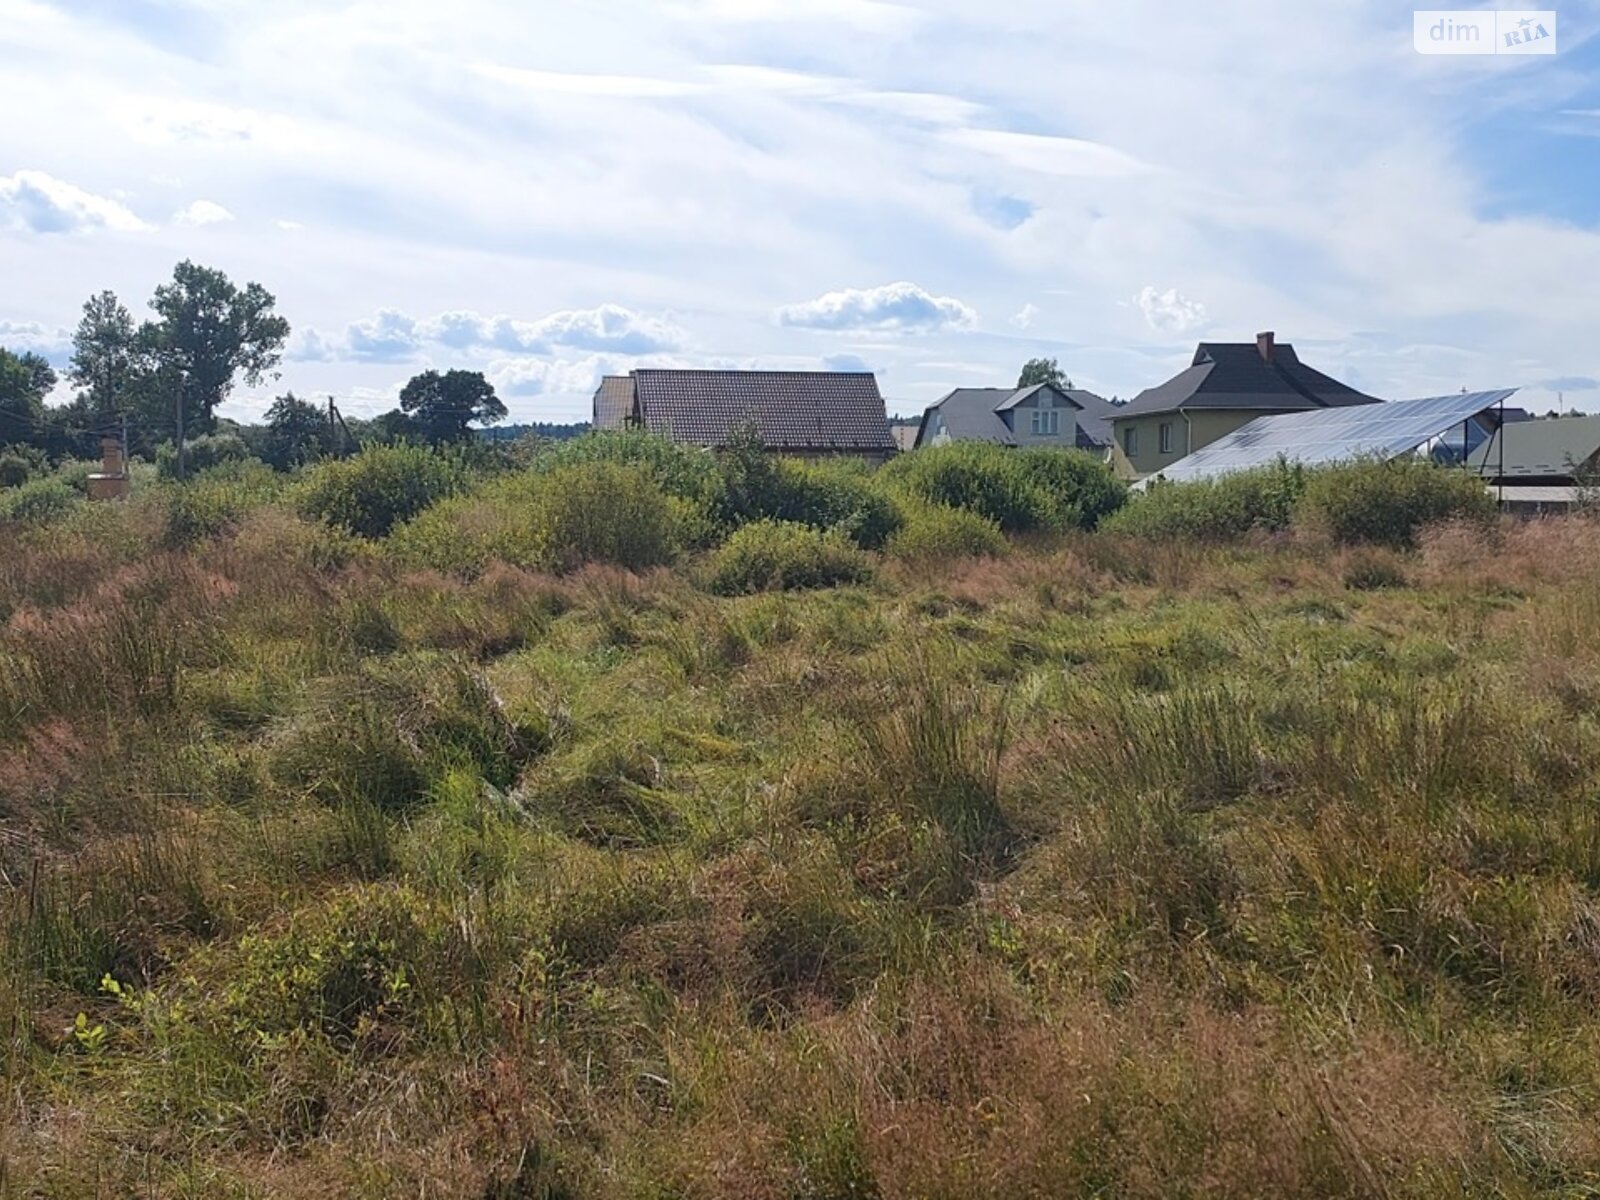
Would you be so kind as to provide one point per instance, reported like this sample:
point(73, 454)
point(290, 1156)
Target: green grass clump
point(39, 501)
point(783, 556)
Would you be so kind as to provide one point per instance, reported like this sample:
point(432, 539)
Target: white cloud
point(1170, 311)
point(1025, 318)
point(1049, 155)
point(39, 203)
point(573, 84)
point(289, 226)
point(202, 212)
point(394, 336)
point(845, 362)
point(901, 307)
point(31, 335)
point(527, 377)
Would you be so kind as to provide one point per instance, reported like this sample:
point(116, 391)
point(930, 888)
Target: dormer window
point(1046, 424)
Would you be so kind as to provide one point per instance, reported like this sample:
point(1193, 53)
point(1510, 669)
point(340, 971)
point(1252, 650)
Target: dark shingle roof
point(835, 411)
point(973, 414)
point(1234, 375)
point(613, 402)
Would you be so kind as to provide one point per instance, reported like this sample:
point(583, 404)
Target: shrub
point(1214, 509)
point(683, 471)
point(782, 556)
point(587, 512)
point(201, 454)
point(379, 488)
point(605, 513)
point(1388, 503)
point(39, 501)
point(18, 464)
point(936, 533)
point(1081, 489)
point(839, 494)
point(1019, 490)
point(214, 501)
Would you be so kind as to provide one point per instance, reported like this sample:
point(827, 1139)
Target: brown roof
point(613, 402)
point(835, 411)
point(1238, 375)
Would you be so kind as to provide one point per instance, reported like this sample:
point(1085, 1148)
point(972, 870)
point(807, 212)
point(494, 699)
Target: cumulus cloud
point(515, 378)
point(1170, 311)
point(899, 307)
point(31, 201)
point(202, 212)
point(31, 335)
point(394, 336)
point(1026, 316)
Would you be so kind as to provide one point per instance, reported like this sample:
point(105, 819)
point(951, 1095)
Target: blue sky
point(936, 191)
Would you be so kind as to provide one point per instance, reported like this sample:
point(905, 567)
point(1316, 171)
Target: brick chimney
point(1266, 343)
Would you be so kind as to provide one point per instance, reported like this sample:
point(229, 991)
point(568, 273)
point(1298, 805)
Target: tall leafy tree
point(207, 333)
point(444, 406)
point(297, 433)
point(1043, 370)
point(107, 359)
point(25, 380)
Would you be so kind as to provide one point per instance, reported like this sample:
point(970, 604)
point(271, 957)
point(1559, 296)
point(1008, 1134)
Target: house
point(905, 436)
point(1228, 385)
point(1042, 415)
point(805, 414)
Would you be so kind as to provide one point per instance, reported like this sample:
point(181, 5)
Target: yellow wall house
point(1228, 385)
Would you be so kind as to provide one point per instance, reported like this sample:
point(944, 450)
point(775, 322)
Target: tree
point(25, 380)
point(297, 433)
point(443, 406)
point(106, 356)
point(1043, 370)
point(206, 333)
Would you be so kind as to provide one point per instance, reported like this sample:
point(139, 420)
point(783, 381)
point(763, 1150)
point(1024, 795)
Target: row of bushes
point(1366, 503)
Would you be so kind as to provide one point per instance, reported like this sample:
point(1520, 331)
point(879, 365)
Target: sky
point(937, 191)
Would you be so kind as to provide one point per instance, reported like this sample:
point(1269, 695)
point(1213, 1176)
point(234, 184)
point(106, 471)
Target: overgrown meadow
point(613, 820)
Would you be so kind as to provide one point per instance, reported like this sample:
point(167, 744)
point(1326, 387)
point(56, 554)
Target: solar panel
point(1329, 435)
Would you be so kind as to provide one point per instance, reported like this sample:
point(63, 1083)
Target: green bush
point(1081, 489)
point(683, 471)
point(936, 533)
point(783, 556)
point(607, 513)
point(837, 494)
point(588, 512)
point(201, 454)
point(1387, 503)
point(380, 487)
point(1213, 509)
point(1019, 490)
point(39, 501)
point(18, 464)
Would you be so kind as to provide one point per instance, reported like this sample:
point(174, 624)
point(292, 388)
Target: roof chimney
point(1265, 343)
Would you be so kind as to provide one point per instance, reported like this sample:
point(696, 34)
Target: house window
point(1130, 441)
point(1046, 424)
point(1166, 437)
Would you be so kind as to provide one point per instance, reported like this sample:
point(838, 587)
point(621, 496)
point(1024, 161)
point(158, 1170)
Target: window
point(1166, 437)
point(1046, 424)
point(1130, 441)
point(1038, 424)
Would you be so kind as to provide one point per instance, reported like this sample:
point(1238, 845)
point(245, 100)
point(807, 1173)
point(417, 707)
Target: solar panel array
point(1330, 435)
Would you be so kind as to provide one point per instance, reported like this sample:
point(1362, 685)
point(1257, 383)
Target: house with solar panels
point(1042, 415)
point(802, 414)
point(1227, 386)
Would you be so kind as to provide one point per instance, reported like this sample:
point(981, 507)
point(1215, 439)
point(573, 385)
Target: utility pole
point(124, 443)
point(333, 428)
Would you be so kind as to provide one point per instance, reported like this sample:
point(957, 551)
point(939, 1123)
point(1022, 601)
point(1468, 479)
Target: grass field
point(1107, 865)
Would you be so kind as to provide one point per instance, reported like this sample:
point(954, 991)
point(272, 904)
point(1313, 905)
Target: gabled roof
point(1238, 375)
point(1549, 449)
point(829, 411)
point(973, 414)
point(613, 402)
